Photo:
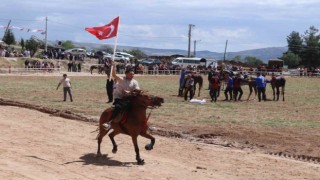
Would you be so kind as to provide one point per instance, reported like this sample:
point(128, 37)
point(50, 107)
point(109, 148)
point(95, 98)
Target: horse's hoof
point(114, 151)
point(140, 162)
point(148, 147)
point(99, 154)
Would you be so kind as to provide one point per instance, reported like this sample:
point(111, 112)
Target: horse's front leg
point(250, 92)
point(136, 148)
point(148, 136)
point(274, 93)
point(278, 93)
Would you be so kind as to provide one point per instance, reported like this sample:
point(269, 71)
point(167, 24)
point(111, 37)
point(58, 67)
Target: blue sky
point(246, 24)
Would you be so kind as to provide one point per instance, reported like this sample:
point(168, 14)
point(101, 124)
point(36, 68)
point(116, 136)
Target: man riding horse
point(124, 86)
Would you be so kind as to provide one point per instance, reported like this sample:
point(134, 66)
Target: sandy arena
point(36, 145)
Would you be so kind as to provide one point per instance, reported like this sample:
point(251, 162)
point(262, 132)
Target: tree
point(9, 37)
point(291, 59)
point(106, 48)
point(311, 52)
point(67, 44)
point(252, 61)
point(237, 58)
point(22, 44)
point(295, 43)
point(137, 53)
point(32, 45)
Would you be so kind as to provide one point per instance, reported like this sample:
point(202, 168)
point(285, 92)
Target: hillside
point(264, 53)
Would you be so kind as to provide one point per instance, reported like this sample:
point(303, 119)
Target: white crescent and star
point(102, 33)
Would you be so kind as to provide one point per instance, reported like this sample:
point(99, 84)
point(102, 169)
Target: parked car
point(120, 58)
point(101, 54)
point(147, 62)
point(76, 51)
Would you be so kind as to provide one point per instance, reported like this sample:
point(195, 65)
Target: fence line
point(154, 72)
point(28, 70)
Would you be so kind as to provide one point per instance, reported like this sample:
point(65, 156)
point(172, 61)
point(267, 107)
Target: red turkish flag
point(107, 31)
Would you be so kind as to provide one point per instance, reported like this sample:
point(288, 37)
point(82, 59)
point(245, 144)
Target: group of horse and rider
point(231, 84)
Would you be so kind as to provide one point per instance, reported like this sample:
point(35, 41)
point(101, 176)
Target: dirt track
point(35, 145)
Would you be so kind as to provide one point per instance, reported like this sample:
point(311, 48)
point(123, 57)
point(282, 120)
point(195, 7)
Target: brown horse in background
point(197, 80)
point(101, 69)
point(134, 122)
point(276, 84)
point(252, 86)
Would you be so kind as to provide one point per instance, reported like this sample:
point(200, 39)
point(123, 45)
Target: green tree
point(295, 43)
point(106, 48)
point(310, 52)
point(237, 58)
point(9, 37)
point(32, 45)
point(22, 44)
point(291, 59)
point(137, 53)
point(67, 44)
point(252, 61)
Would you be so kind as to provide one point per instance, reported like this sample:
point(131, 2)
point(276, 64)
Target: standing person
point(109, 88)
point(181, 81)
point(210, 76)
point(65, 81)
point(237, 87)
point(124, 84)
point(189, 87)
point(214, 87)
point(229, 87)
point(79, 67)
point(261, 87)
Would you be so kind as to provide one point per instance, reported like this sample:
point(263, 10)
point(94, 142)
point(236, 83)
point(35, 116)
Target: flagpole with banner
point(107, 31)
point(114, 51)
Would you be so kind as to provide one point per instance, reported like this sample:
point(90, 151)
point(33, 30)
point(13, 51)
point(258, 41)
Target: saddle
point(121, 117)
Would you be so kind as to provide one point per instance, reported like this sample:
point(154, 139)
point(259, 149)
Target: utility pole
point(225, 50)
point(6, 29)
point(189, 35)
point(194, 46)
point(45, 37)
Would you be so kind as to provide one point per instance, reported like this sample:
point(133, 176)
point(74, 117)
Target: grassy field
point(275, 126)
point(300, 108)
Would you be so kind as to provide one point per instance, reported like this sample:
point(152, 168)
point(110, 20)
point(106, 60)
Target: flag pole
point(114, 51)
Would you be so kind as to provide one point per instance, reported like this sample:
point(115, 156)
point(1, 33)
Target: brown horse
point(252, 86)
point(197, 80)
point(134, 122)
point(276, 83)
point(101, 69)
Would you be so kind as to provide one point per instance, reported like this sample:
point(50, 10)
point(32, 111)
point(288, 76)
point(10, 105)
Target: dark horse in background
point(102, 69)
point(132, 123)
point(198, 80)
point(276, 84)
point(251, 82)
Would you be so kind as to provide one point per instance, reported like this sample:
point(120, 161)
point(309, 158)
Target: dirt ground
point(36, 145)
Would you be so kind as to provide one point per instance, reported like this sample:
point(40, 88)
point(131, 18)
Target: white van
point(185, 61)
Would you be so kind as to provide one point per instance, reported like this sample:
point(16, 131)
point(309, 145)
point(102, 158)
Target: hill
point(264, 53)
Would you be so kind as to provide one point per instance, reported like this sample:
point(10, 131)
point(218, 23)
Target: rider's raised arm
point(114, 75)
